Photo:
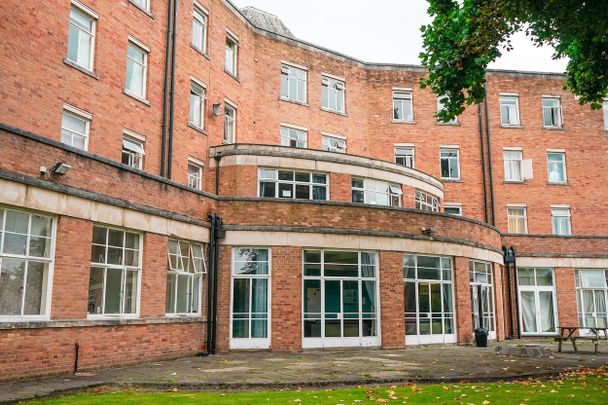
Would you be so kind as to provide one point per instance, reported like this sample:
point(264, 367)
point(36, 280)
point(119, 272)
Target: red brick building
point(181, 176)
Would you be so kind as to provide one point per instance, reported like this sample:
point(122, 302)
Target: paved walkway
point(263, 370)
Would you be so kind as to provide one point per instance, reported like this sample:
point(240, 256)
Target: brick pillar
point(71, 271)
point(341, 187)
point(286, 299)
point(499, 308)
point(462, 290)
point(153, 275)
point(223, 299)
point(565, 288)
point(391, 300)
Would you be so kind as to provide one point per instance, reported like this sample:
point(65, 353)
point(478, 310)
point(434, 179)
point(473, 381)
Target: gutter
point(172, 89)
point(166, 87)
point(217, 233)
point(487, 121)
point(483, 165)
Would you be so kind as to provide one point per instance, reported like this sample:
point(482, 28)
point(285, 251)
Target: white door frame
point(536, 289)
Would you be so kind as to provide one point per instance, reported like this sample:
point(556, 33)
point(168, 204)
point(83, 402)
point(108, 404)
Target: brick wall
point(565, 289)
point(392, 304)
point(286, 309)
point(462, 293)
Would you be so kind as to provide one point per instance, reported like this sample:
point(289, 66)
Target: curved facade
point(242, 189)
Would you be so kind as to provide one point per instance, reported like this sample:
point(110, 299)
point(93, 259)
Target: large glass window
point(552, 112)
point(115, 272)
point(75, 129)
point(229, 123)
point(294, 137)
point(81, 38)
point(429, 299)
point(197, 105)
point(275, 183)
point(333, 143)
point(186, 265)
point(426, 202)
point(293, 83)
point(137, 67)
point(537, 309)
point(441, 106)
point(250, 298)
point(26, 250)
point(199, 29)
point(482, 296)
point(404, 156)
point(376, 192)
point(509, 111)
point(340, 298)
point(513, 165)
point(560, 221)
point(592, 298)
point(195, 175)
point(231, 55)
point(556, 167)
point(605, 108)
point(450, 163)
point(332, 94)
point(132, 152)
point(517, 219)
point(403, 109)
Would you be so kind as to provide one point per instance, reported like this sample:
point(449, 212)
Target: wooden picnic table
point(569, 333)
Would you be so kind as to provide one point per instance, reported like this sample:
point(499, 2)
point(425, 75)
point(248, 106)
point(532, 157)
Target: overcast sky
point(383, 31)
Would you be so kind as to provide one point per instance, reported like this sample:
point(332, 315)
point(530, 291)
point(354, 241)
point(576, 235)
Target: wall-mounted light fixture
point(217, 110)
point(428, 231)
point(60, 169)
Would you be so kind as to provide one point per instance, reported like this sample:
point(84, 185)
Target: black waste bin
point(481, 337)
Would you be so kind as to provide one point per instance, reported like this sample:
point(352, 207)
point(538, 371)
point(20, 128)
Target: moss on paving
point(582, 387)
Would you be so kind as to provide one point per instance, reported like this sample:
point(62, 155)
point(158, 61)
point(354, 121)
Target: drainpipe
point(218, 156)
point(516, 294)
point(166, 87)
point(172, 90)
point(483, 165)
point(487, 119)
point(217, 233)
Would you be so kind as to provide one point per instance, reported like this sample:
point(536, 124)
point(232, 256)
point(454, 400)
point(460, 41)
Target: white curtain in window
point(528, 311)
point(547, 316)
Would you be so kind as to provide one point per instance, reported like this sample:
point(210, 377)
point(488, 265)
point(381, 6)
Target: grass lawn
point(586, 387)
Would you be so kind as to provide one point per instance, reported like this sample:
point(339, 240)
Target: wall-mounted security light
point(428, 231)
point(60, 169)
point(217, 109)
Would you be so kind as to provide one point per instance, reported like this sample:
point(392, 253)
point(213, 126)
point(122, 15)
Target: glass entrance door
point(592, 298)
point(537, 309)
point(482, 296)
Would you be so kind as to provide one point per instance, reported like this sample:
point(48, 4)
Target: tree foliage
point(466, 35)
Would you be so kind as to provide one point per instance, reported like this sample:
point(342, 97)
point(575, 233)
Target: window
point(552, 112)
point(560, 221)
point(376, 192)
point(404, 156)
point(426, 202)
point(186, 265)
point(115, 272)
point(332, 94)
point(81, 37)
point(229, 123)
point(143, 4)
point(340, 299)
point(199, 29)
point(537, 309)
point(605, 108)
point(429, 299)
point(453, 208)
point(509, 111)
point(75, 126)
point(137, 66)
point(231, 54)
point(275, 183)
point(294, 137)
point(26, 259)
point(556, 167)
point(513, 165)
point(403, 109)
point(195, 174)
point(450, 163)
point(333, 143)
point(197, 105)
point(249, 327)
point(440, 106)
point(517, 220)
point(132, 152)
point(482, 296)
point(293, 83)
point(592, 298)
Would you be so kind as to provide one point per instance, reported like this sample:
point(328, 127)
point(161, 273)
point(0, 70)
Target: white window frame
point(271, 175)
point(537, 289)
point(290, 72)
point(200, 16)
point(513, 110)
point(405, 157)
point(234, 49)
point(456, 206)
point(523, 216)
point(370, 188)
point(145, 51)
point(558, 108)
point(426, 202)
point(301, 136)
point(135, 156)
point(474, 282)
point(605, 110)
point(581, 300)
point(559, 212)
point(450, 159)
point(199, 90)
point(47, 285)
point(191, 178)
point(453, 121)
point(145, 6)
point(79, 7)
point(79, 114)
point(335, 88)
point(513, 164)
point(181, 271)
point(251, 343)
point(334, 143)
point(229, 122)
point(124, 269)
point(403, 96)
point(563, 163)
